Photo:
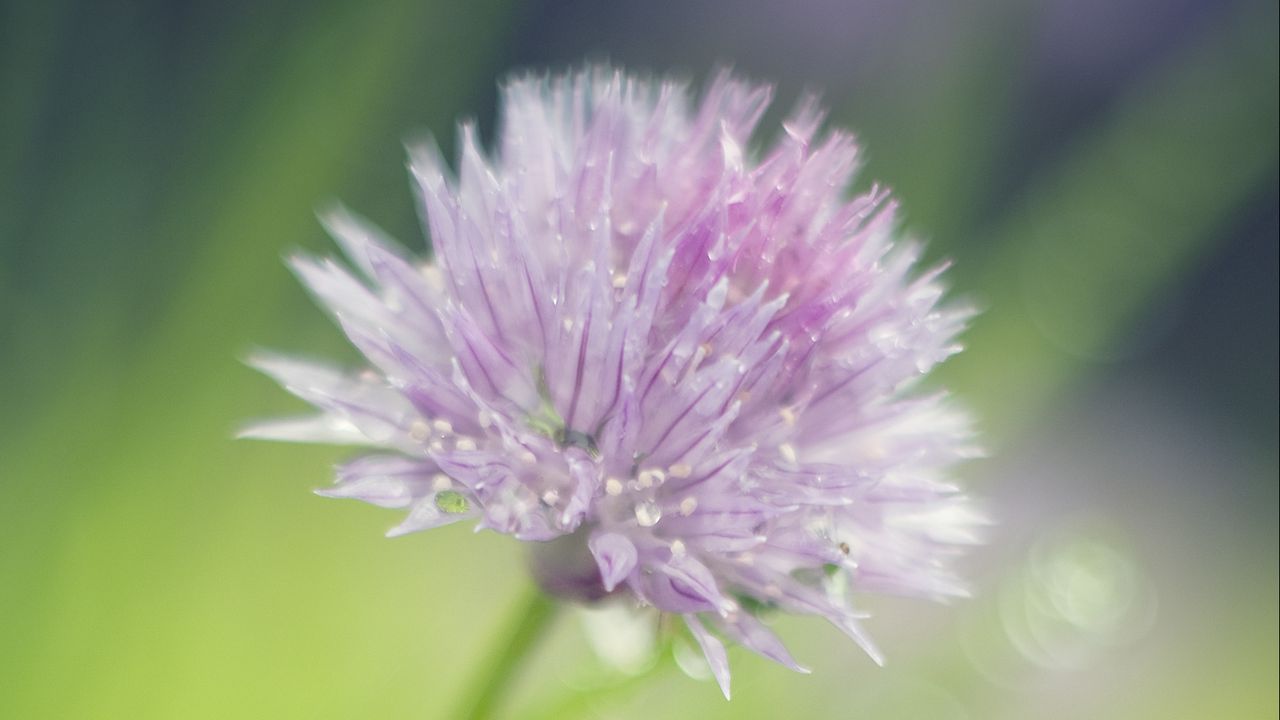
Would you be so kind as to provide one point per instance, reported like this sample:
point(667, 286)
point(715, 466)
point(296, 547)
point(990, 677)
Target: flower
point(683, 373)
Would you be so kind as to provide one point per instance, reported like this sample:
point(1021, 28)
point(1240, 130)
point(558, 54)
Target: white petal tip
point(333, 212)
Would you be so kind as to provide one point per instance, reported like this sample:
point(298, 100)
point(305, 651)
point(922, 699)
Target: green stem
point(584, 701)
point(535, 614)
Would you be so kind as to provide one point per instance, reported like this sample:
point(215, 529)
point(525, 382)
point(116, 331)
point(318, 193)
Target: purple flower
point(681, 372)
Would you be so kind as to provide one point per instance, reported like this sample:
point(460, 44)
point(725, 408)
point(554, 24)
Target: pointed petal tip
point(246, 432)
point(332, 211)
point(616, 557)
point(873, 652)
point(426, 162)
point(261, 430)
point(714, 652)
point(260, 359)
point(301, 262)
point(248, 358)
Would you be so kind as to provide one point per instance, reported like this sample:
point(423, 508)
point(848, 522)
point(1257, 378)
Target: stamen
point(419, 431)
point(688, 505)
point(650, 478)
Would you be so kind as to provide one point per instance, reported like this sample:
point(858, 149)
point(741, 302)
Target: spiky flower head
point(682, 372)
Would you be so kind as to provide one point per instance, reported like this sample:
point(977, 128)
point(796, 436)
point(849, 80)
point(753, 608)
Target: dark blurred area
point(1103, 174)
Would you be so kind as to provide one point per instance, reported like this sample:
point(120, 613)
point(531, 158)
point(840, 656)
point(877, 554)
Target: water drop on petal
point(648, 513)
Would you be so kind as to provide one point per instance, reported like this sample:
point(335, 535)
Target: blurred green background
point(1103, 173)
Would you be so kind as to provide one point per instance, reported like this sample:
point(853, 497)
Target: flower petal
point(615, 555)
point(713, 649)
